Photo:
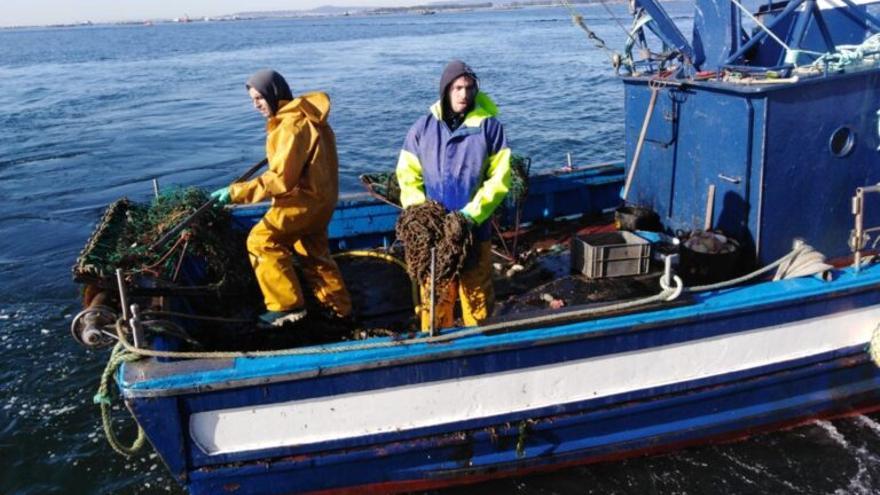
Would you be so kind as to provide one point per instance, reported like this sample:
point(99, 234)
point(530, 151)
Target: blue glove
point(221, 196)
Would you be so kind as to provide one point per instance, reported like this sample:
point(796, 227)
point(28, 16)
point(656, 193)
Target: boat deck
point(540, 282)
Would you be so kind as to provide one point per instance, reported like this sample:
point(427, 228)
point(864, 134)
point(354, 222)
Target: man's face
point(461, 94)
point(260, 103)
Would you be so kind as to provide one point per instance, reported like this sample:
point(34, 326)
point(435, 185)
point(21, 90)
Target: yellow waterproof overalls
point(303, 185)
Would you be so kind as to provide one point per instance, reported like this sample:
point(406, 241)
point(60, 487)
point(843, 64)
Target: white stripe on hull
point(352, 415)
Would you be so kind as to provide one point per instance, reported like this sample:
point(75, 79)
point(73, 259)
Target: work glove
point(221, 196)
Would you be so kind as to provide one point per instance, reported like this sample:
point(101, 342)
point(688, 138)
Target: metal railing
point(859, 236)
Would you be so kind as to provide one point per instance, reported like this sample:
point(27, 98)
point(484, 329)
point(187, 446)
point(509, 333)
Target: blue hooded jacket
point(467, 170)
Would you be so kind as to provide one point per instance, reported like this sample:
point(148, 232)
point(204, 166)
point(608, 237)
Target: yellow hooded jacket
point(303, 175)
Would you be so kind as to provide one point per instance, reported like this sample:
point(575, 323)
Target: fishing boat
point(760, 134)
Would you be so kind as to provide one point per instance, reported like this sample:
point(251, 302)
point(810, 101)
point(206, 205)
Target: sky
point(43, 12)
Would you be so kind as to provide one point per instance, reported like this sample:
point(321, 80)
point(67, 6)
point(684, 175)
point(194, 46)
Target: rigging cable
point(598, 42)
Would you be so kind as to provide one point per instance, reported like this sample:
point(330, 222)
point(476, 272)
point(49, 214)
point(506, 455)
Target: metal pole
point(433, 294)
point(123, 297)
point(765, 30)
point(641, 142)
point(156, 188)
point(855, 11)
point(667, 268)
point(710, 208)
point(137, 330)
point(858, 206)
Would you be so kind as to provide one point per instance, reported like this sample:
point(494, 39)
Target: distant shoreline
point(321, 12)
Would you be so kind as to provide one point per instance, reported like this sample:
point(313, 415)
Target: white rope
point(736, 281)
point(806, 261)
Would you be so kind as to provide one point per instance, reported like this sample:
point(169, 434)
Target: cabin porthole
point(842, 142)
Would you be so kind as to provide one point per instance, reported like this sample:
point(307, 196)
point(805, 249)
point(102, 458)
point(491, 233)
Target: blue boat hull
point(560, 441)
point(726, 364)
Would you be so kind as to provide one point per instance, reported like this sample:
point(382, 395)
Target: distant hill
point(334, 10)
point(416, 7)
point(467, 3)
point(318, 11)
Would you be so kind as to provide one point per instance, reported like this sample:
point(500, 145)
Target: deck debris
point(552, 302)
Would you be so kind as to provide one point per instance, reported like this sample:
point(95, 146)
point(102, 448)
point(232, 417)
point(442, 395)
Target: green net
point(125, 234)
point(519, 179)
point(383, 186)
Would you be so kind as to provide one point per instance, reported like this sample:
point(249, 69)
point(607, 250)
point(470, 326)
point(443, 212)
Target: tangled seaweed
point(429, 225)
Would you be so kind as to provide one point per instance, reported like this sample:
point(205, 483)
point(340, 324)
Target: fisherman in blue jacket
point(458, 156)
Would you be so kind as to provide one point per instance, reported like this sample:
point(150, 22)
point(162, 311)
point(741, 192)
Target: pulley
point(88, 326)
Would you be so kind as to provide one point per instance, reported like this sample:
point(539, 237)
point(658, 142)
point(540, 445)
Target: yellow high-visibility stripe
point(409, 175)
point(493, 190)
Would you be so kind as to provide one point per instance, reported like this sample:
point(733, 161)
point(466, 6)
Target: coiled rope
point(801, 261)
point(804, 262)
point(103, 398)
point(848, 55)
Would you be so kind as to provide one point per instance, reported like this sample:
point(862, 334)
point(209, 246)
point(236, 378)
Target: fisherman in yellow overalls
point(303, 184)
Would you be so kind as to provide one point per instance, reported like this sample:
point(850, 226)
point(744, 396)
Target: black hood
point(272, 86)
point(453, 71)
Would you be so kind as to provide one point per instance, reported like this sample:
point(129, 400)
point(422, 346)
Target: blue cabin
point(784, 136)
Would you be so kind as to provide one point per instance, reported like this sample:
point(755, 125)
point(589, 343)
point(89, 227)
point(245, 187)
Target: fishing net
point(428, 225)
point(519, 180)
point(383, 186)
point(208, 248)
